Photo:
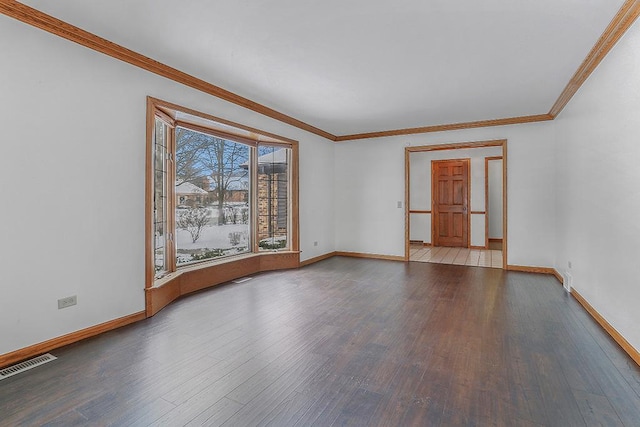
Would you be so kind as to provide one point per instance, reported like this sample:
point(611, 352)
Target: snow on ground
point(212, 237)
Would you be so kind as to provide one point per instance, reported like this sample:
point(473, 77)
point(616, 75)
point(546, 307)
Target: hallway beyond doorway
point(460, 256)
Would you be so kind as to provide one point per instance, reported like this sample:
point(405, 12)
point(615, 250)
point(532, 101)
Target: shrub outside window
point(217, 190)
point(212, 188)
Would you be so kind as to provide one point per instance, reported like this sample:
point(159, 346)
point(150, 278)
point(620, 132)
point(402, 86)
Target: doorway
point(446, 220)
point(493, 202)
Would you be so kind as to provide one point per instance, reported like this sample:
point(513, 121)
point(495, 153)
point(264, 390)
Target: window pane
point(273, 197)
point(212, 196)
point(159, 198)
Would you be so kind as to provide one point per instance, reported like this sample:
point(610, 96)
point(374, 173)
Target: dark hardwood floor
point(344, 342)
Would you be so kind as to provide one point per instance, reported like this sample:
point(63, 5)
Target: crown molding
point(453, 126)
point(621, 22)
point(55, 26)
point(618, 26)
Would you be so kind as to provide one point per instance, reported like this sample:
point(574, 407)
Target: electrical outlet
point(67, 302)
point(399, 205)
point(569, 264)
point(315, 243)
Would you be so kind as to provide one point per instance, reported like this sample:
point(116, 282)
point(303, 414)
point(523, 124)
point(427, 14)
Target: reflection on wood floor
point(344, 341)
point(460, 256)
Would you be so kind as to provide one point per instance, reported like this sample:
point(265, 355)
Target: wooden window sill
point(203, 275)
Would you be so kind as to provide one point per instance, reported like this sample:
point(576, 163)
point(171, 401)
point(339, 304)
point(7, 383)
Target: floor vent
point(26, 365)
point(242, 280)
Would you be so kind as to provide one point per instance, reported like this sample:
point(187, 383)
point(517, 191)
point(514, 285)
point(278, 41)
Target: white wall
point(420, 189)
point(419, 198)
point(598, 153)
point(369, 177)
point(72, 185)
point(494, 210)
point(72, 182)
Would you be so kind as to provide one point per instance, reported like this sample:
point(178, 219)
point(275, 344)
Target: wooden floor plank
point(596, 409)
point(288, 411)
point(68, 419)
point(216, 414)
point(345, 342)
point(277, 392)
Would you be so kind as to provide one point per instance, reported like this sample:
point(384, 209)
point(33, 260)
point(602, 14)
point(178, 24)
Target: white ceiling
point(362, 65)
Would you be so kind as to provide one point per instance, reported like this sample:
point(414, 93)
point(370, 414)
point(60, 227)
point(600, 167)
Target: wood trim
point(537, 270)
point(626, 346)
point(217, 134)
point(621, 22)
point(495, 240)
point(407, 203)
point(530, 269)
point(447, 127)
point(486, 197)
point(253, 142)
point(478, 247)
point(434, 208)
point(43, 347)
point(163, 116)
point(274, 261)
point(158, 297)
point(618, 26)
point(294, 185)
point(558, 276)
point(414, 211)
point(180, 281)
point(203, 276)
point(170, 109)
point(55, 26)
point(617, 336)
point(152, 113)
point(253, 196)
point(371, 256)
point(317, 259)
point(478, 212)
point(419, 242)
point(456, 145)
point(149, 269)
point(505, 228)
point(171, 250)
point(469, 181)
point(486, 202)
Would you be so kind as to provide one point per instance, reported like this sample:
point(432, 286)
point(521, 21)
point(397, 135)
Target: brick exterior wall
point(266, 192)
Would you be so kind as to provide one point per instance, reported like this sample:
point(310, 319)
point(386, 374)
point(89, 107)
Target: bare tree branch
point(193, 221)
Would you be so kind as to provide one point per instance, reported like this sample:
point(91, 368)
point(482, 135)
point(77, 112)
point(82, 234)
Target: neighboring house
point(77, 116)
point(191, 195)
point(237, 188)
point(273, 199)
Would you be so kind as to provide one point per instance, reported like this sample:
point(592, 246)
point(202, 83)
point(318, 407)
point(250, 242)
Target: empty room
point(320, 213)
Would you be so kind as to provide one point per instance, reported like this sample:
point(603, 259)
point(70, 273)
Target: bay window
point(215, 191)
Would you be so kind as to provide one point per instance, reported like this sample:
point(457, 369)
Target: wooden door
point(450, 202)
